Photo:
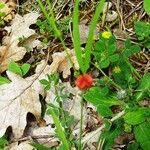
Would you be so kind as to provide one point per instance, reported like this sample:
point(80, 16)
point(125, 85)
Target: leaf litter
point(21, 95)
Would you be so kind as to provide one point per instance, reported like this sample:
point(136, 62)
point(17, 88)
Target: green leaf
point(2, 5)
point(147, 6)
point(137, 116)
point(44, 82)
point(142, 135)
point(104, 63)
point(100, 46)
point(104, 110)
point(97, 97)
point(111, 49)
point(4, 80)
point(39, 146)
point(3, 142)
point(133, 146)
point(109, 137)
point(25, 68)
point(130, 49)
point(114, 58)
point(47, 87)
point(15, 68)
point(142, 29)
point(143, 88)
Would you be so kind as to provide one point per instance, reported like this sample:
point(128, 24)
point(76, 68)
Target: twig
point(32, 137)
point(98, 131)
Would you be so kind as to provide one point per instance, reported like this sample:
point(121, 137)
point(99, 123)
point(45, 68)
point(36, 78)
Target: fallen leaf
point(84, 31)
point(109, 15)
point(16, 100)
point(62, 64)
point(9, 8)
point(19, 28)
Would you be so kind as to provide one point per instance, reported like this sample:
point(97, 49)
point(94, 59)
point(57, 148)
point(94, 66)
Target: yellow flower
point(116, 69)
point(106, 34)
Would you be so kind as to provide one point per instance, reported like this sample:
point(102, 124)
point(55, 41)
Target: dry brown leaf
point(10, 53)
point(10, 7)
point(84, 31)
point(16, 100)
point(110, 15)
point(61, 63)
point(19, 28)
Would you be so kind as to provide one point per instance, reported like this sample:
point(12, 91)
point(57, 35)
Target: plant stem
point(51, 21)
point(60, 131)
point(81, 124)
point(116, 85)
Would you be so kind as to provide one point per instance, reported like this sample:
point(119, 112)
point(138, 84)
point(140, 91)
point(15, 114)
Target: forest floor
point(69, 83)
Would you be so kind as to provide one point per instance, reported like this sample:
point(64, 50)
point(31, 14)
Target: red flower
point(84, 81)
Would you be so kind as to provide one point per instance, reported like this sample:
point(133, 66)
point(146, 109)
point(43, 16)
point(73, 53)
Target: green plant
point(20, 70)
point(85, 56)
point(142, 30)
point(130, 89)
point(147, 6)
point(4, 80)
point(2, 14)
point(62, 119)
point(51, 81)
point(3, 143)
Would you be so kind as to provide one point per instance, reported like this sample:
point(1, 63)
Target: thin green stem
point(116, 85)
point(81, 124)
point(51, 21)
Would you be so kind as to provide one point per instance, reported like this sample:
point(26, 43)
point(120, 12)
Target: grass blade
point(76, 35)
point(92, 27)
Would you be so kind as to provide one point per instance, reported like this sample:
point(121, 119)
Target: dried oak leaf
point(17, 99)
point(110, 15)
point(84, 32)
point(61, 63)
point(19, 28)
point(9, 9)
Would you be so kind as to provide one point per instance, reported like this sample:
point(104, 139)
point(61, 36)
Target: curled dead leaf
point(19, 28)
point(110, 15)
point(9, 9)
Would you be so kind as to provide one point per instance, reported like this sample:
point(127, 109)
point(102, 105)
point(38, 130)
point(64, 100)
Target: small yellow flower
point(106, 34)
point(116, 69)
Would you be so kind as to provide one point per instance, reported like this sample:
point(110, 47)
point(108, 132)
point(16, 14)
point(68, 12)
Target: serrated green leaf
point(130, 49)
point(142, 135)
point(137, 116)
point(100, 46)
point(25, 68)
point(4, 80)
point(114, 58)
point(104, 110)
point(96, 97)
point(147, 6)
point(143, 88)
point(104, 63)
point(111, 49)
point(142, 29)
point(15, 68)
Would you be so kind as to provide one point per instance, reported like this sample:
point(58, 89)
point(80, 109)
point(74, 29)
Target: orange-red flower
point(84, 81)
